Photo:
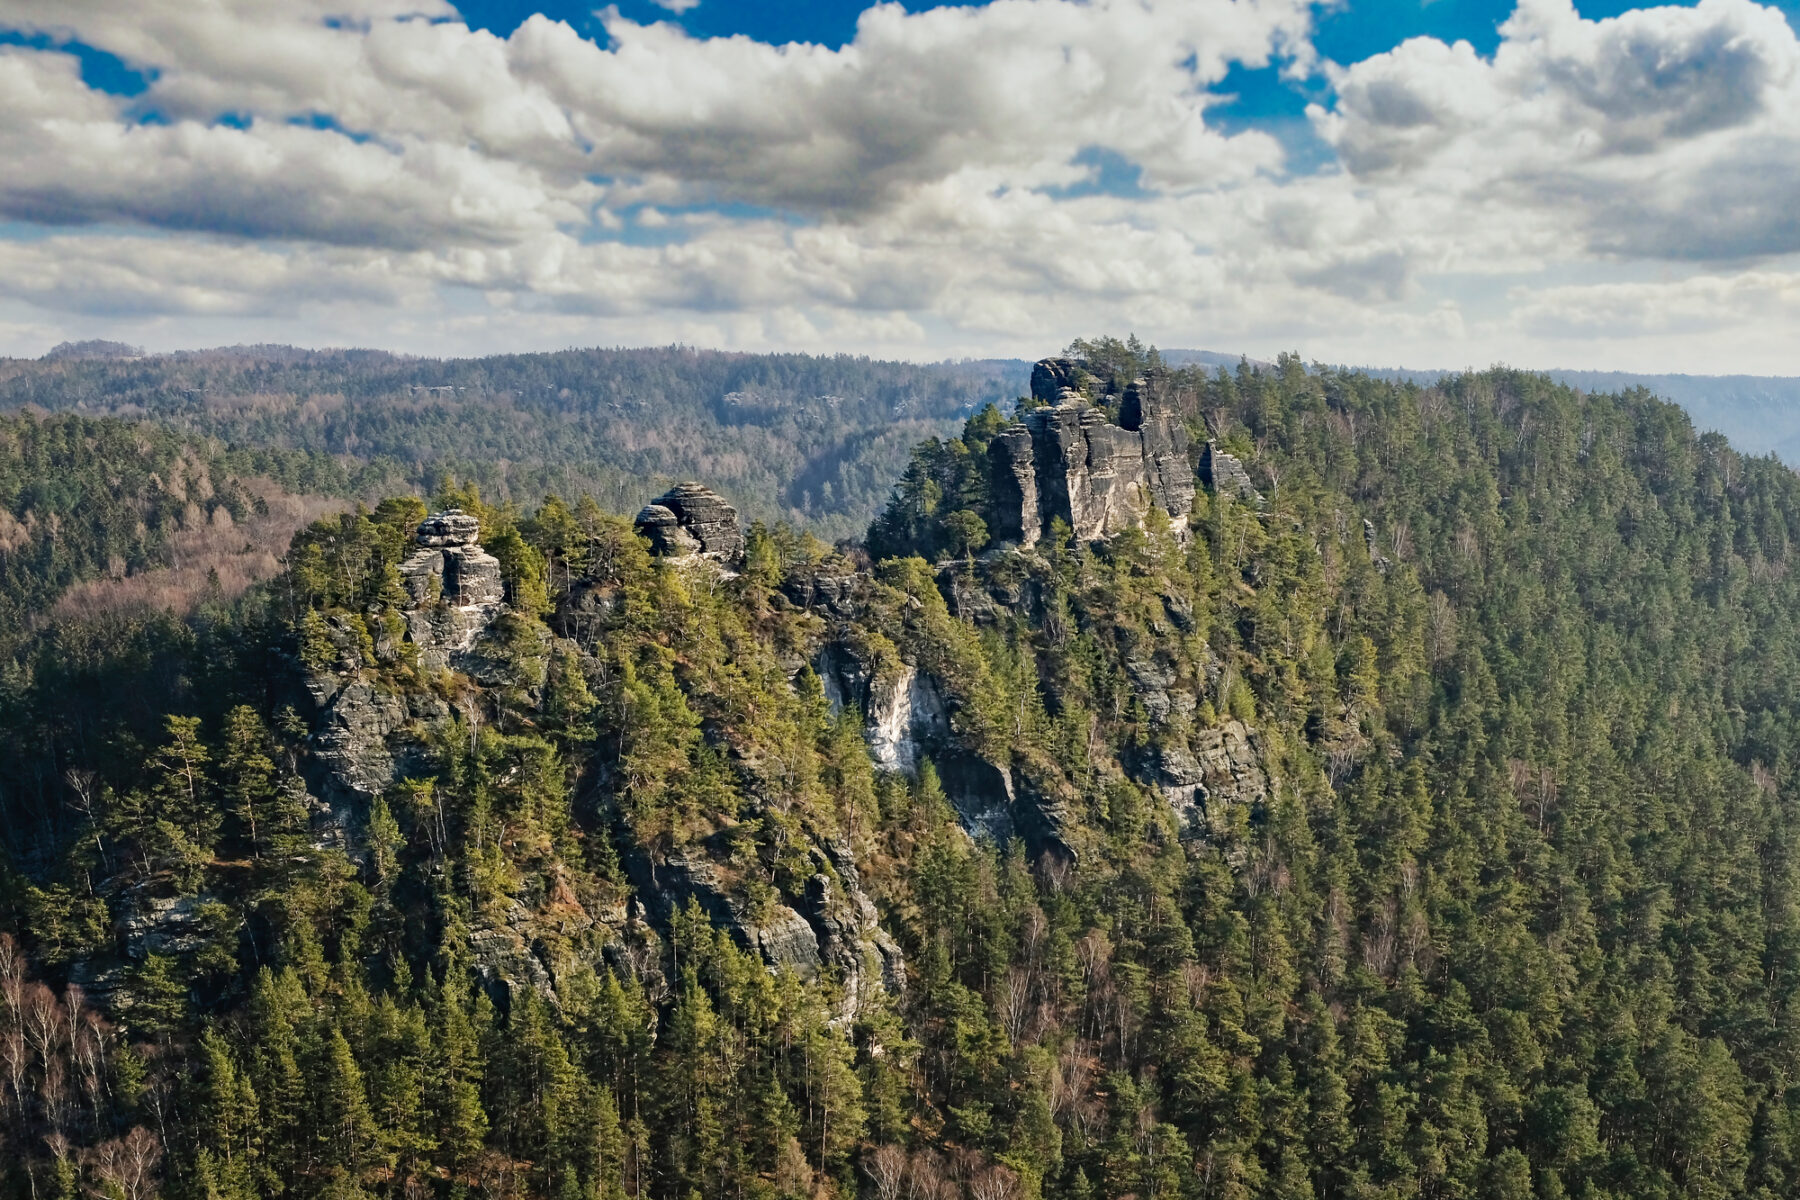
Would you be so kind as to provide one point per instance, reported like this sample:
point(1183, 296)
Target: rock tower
point(1068, 460)
point(692, 519)
point(454, 585)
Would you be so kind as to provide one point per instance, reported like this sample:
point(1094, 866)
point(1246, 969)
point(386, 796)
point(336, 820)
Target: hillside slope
point(1413, 818)
point(810, 440)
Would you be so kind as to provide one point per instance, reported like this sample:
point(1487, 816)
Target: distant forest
point(810, 440)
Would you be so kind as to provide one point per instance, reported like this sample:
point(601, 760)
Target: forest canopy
point(1428, 830)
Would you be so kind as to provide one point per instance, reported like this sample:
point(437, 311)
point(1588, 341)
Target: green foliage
point(813, 441)
point(1514, 916)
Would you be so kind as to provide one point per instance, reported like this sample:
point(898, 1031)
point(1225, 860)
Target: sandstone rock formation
point(1051, 377)
point(692, 519)
point(1068, 461)
point(454, 586)
point(1218, 769)
point(1226, 476)
point(1380, 560)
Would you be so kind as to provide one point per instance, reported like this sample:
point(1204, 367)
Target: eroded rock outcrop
point(1067, 461)
point(1225, 475)
point(690, 519)
point(454, 586)
point(832, 928)
point(1216, 770)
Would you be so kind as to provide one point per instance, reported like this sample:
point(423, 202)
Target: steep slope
point(1417, 822)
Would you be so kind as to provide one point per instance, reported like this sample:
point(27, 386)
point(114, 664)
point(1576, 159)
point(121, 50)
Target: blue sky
point(1444, 183)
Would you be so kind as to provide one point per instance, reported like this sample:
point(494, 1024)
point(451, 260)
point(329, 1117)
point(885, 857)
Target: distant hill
point(92, 349)
point(813, 440)
point(1759, 413)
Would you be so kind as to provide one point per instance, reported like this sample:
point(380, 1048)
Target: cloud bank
point(960, 180)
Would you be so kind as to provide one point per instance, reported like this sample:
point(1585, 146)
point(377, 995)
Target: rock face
point(1051, 377)
point(1226, 476)
point(1068, 461)
point(454, 585)
point(835, 925)
point(1220, 768)
point(359, 742)
point(691, 519)
point(906, 715)
point(1380, 560)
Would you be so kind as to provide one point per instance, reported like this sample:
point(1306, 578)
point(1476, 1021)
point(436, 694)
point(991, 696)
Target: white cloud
point(394, 176)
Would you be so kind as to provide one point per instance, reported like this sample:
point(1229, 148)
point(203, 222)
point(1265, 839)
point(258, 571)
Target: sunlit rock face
point(1067, 461)
point(454, 587)
point(692, 519)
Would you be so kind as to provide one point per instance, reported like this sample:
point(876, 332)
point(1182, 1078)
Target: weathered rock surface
point(452, 527)
point(359, 741)
point(832, 927)
point(692, 519)
point(1068, 461)
point(162, 925)
point(906, 715)
point(1051, 377)
point(1380, 560)
point(350, 754)
point(660, 524)
point(454, 586)
point(1226, 476)
point(1158, 688)
point(1218, 769)
point(829, 585)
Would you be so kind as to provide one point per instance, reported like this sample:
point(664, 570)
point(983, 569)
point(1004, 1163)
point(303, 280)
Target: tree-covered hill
point(810, 440)
point(132, 514)
point(1426, 830)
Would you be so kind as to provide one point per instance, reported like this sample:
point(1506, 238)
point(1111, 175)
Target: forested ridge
point(807, 439)
point(1425, 830)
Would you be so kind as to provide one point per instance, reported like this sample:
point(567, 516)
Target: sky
point(1445, 183)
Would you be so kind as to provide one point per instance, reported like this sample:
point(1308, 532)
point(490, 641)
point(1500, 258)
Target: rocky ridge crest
point(1067, 461)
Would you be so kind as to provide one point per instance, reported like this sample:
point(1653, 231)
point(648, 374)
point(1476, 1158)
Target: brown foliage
point(212, 559)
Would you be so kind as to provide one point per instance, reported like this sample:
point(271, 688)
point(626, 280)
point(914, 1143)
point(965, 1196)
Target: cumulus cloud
point(1661, 133)
point(908, 190)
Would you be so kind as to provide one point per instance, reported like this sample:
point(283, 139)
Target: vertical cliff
point(1068, 461)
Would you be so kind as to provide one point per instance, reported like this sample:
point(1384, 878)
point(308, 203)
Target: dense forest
point(1425, 830)
point(812, 441)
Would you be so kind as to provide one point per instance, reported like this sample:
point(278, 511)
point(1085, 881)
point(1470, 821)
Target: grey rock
point(906, 716)
point(700, 514)
point(830, 584)
point(1218, 769)
point(982, 795)
point(452, 527)
point(454, 589)
point(1067, 461)
point(1165, 438)
point(1051, 377)
point(1226, 476)
point(167, 925)
point(350, 753)
point(663, 529)
point(1015, 492)
point(1154, 682)
point(1380, 560)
